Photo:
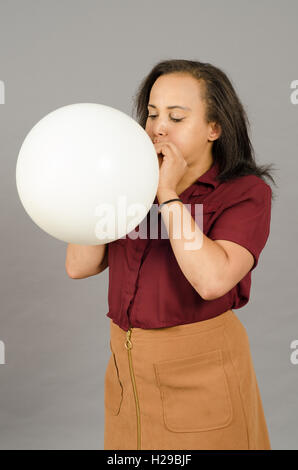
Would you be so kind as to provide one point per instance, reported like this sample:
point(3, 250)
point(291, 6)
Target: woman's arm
point(213, 267)
point(85, 260)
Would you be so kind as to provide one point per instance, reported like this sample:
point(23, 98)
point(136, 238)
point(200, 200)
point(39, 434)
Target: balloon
point(87, 173)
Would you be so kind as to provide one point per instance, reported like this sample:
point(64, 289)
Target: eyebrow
point(171, 107)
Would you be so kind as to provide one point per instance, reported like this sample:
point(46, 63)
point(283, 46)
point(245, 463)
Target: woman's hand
point(172, 165)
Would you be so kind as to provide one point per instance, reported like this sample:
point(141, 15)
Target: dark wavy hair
point(233, 150)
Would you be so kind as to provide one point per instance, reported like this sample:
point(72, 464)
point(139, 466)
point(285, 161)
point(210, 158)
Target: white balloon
point(87, 173)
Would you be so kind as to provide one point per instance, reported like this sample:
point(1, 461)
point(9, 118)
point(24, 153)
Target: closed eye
point(173, 119)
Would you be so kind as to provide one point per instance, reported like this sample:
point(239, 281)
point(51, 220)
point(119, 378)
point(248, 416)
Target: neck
point(192, 175)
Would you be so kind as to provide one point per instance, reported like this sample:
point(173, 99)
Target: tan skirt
point(190, 386)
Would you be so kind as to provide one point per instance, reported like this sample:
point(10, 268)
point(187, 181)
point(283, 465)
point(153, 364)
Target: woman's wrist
point(166, 194)
point(170, 201)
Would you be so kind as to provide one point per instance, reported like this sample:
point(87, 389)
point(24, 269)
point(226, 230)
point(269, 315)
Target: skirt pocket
point(113, 395)
point(194, 392)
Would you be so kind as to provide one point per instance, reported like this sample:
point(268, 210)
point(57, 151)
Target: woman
point(180, 374)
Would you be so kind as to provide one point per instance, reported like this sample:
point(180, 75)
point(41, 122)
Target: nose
point(159, 130)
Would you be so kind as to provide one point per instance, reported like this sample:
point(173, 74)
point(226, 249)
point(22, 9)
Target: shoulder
point(242, 188)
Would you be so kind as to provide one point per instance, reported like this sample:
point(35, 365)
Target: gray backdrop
point(56, 334)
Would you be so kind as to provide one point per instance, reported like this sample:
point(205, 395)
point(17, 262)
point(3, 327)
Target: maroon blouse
point(147, 288)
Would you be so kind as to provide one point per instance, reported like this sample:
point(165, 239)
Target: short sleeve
point(246, 221)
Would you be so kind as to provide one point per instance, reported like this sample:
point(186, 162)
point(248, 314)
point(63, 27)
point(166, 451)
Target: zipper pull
point(128, 343)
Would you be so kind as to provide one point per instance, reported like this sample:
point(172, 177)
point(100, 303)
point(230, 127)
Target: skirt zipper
point(128, 345)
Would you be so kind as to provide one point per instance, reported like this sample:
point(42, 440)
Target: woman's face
point(191, 133)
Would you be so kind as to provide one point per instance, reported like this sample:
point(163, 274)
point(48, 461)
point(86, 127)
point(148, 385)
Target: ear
point(214, 131)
